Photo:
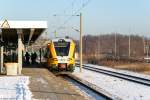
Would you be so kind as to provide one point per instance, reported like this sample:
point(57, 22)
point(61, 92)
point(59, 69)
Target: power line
point(68, 7)
point(72, 4)
point(76, 12)
point(64, 11)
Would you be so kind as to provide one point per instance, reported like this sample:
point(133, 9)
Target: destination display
point(61, 44)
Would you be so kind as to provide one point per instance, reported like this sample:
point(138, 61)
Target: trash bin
point(11, 68)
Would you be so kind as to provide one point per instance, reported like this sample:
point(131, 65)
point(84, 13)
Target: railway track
point(92, 93)
point(131, 78)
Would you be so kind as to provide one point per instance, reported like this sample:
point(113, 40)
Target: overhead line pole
point(115, 45)
point(81, 42)
point(147, 50)
point(129, 46)
point(144, 44)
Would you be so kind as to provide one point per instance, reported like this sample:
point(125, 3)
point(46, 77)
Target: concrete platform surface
point(44, 85)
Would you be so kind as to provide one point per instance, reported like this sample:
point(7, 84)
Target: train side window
point(47, 54)
point(50, 54)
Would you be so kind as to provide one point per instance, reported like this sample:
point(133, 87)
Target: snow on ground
point(14, 88)
point(121, 71)
point(123, 89)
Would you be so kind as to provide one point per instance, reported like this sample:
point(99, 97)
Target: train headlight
point(55, 59)
point(69, 59)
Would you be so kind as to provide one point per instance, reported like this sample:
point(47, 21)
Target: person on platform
point(27, 56)
point(33, 57)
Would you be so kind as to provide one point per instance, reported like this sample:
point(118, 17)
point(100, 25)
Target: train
point(61, 55)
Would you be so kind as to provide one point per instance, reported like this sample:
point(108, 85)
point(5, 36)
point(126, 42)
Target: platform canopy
point(29, 30)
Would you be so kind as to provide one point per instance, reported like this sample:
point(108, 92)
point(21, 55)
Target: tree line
point(115, 46)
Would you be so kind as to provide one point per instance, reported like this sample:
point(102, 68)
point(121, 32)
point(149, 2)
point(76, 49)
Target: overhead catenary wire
point(72, 4)
point(64, 11)
point(74, 14)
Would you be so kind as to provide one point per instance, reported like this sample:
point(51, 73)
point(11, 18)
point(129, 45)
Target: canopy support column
point(1, 59)
point(1, 53)
point(19, 32)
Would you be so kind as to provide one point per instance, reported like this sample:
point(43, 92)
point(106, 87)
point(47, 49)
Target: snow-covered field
point(120, 88)
point(14, 88)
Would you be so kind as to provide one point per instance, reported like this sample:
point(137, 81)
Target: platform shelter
point(14, 37)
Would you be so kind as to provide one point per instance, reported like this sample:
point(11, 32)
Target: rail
point(124, 76)
point(86, 88)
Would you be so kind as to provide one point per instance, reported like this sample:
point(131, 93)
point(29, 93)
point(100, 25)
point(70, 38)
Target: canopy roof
point(29, 30)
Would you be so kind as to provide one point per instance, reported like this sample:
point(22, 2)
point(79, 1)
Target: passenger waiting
point(27, 55)
point(33, 57)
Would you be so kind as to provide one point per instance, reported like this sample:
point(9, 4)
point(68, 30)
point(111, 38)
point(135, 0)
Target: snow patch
point(123, 89)
point(15, 87)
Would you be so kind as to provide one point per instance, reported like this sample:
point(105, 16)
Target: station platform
point(44, 85)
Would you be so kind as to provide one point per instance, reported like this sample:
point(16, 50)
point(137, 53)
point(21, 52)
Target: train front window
point(62, 49)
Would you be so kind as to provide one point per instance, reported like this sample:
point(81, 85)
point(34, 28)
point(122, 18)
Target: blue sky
point(99, 16)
